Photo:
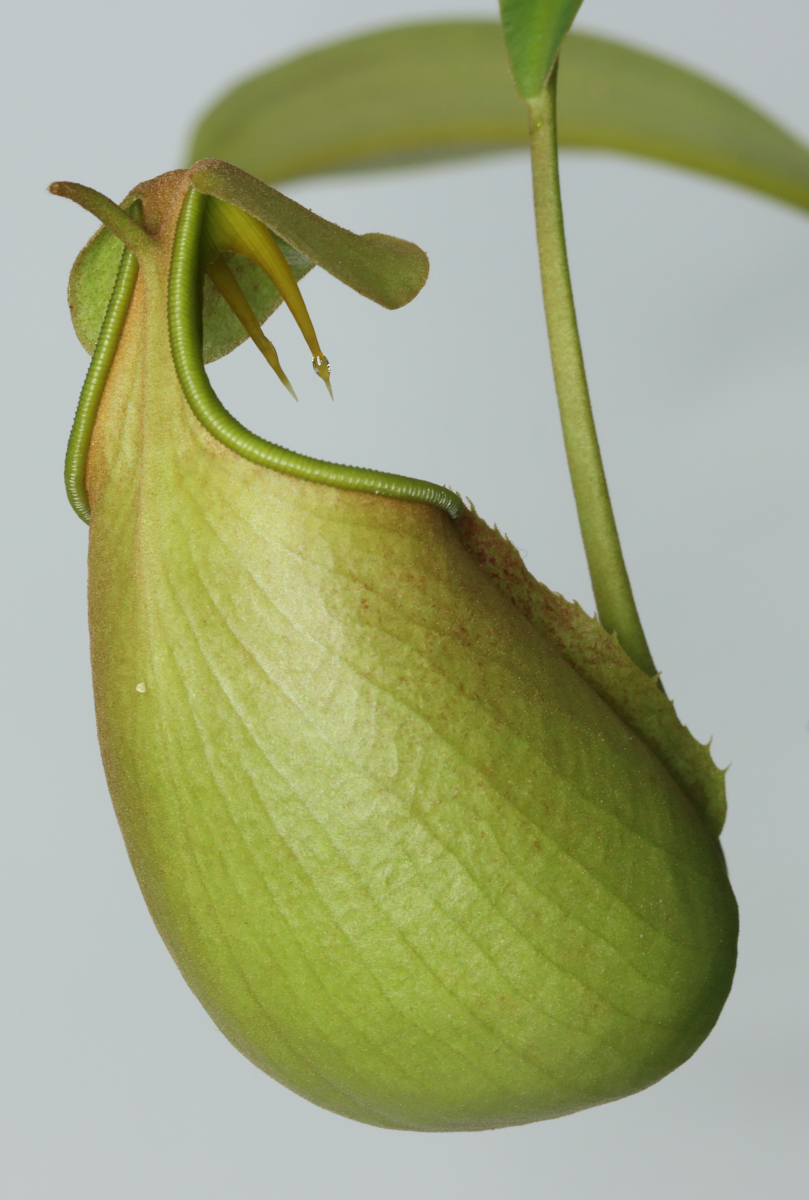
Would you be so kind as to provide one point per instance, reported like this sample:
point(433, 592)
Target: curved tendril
point(184, 314)
point(82, 431)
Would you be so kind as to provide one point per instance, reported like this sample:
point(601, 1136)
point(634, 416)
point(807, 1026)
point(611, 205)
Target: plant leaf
point(614, 97)
point(408, 94)
point(534, 30)
point(424, 93)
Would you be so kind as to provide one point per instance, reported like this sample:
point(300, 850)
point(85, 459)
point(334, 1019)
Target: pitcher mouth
point(211, 229)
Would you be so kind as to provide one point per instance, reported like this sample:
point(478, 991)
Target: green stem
point(613, 592)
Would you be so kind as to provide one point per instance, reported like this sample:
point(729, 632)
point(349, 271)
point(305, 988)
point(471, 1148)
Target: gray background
point(694, 304)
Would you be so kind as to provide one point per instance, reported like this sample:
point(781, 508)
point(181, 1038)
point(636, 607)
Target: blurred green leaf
point(534, 31)
point(422, 93)
point(407, 94)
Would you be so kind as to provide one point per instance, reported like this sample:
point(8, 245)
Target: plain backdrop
point(694, 307)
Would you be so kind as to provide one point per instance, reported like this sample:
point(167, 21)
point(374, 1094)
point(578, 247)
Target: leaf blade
point(534, 31)
point(432, 92)
point(644, 105)
point(311, 115)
